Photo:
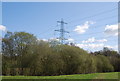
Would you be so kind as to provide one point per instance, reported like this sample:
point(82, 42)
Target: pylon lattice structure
point(62, 32)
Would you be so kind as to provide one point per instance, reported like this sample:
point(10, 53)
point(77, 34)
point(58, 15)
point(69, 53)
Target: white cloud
point(102, 40)
point(44, 39)
point(92, 39)
point(82, 28)
point(108, 46)
point(112, 47)
point(70, 40)
point(95, 47)
point(111, 30)
point(92, 46)
point(48, 40)
point(3, 28)
point(53, 39)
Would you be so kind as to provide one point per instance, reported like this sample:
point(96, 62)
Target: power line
point(89, 33)
point(87, 17)
point(103, 19)
point(53, 27)
point(94, 27)
point(104, 12)
point(107, 18)
point(62, 25)
point(115, 7)
point(98, 38)
point(47, 30)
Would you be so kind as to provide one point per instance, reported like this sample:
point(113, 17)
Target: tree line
point(24, 54)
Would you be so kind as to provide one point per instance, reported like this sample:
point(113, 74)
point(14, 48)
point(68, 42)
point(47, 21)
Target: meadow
point(109, 75)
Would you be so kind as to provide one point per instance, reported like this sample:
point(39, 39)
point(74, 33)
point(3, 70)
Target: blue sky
point(92, 25)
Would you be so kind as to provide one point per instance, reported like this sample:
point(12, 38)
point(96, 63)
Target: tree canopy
point(24, 54)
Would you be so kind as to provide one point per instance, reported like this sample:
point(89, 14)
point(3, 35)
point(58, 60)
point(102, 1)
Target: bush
point(103, 64)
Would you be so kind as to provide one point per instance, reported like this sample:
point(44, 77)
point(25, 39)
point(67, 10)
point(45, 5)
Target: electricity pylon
point(62, 31)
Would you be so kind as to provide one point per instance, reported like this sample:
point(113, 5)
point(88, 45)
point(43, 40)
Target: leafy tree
point(23, 54)
point(103, 64)
point(15, 45)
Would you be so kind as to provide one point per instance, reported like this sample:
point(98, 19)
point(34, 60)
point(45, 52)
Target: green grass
point(110, 75)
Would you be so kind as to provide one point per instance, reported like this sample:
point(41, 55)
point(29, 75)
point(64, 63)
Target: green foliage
point(0, 64)
point(23, 54)
point(103, 64)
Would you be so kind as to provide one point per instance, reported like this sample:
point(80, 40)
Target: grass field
point(111, 75)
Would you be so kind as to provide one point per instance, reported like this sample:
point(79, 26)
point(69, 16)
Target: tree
point(0, 64)
point(103, 64)
point(23, 54)
point(8, 45)
point(15, 46)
